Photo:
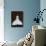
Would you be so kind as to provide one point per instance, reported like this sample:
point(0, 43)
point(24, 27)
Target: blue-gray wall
point(43, 6)
point(29, 7)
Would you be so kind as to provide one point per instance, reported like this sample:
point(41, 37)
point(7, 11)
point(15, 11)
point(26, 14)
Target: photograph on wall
point(17, 18)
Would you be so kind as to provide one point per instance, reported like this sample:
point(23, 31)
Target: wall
point(1, 20)
point(43, 6)
point(29, 7)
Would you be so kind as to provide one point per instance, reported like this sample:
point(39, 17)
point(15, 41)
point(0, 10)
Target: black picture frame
point(13, 18)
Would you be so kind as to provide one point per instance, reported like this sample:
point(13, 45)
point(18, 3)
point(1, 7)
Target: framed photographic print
point(17, 18)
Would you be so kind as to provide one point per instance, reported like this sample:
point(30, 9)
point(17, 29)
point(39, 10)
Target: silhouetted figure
point(17, 21)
